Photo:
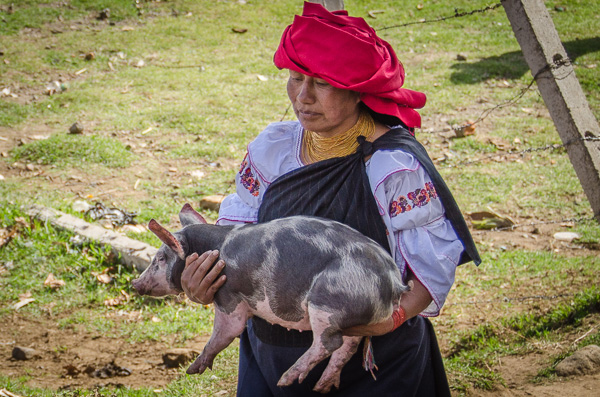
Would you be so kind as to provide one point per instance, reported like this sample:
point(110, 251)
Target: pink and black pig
point(303, 273)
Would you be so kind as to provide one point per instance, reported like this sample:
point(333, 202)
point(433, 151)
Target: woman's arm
point(413, 302)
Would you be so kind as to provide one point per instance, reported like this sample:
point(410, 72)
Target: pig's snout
point(138, 286)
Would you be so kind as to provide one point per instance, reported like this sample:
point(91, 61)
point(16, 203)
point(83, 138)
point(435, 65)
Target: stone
point(76, 128)
point(585, 361)
point(24, 353)
point(104, 14)
point(133, 253)
point(81, 206)
point(566, 236)
point(211, 202)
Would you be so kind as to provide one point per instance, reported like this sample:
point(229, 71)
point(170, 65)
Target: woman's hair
point(385, 119)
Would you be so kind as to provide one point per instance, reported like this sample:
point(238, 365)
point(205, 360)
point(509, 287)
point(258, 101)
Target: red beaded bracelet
point(399, 316)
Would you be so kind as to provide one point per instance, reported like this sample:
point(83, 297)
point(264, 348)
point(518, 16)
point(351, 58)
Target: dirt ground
point(71, 358)
point(74, 358)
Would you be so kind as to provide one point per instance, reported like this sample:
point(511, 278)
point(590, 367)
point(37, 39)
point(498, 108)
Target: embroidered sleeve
point(242, 206)
point(273, 153)
point(248, 180)
point(424, 241)
point(411, 197)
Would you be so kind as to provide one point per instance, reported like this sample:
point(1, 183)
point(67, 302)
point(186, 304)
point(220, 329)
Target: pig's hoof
point(320, 388)
point(325, 385)
point(287, 379)
point(285, 382)
point(197, 367)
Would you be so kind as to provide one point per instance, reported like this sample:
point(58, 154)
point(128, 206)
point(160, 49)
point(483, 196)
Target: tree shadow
point(512, 65)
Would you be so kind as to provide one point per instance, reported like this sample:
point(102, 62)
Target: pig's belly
point(264, 311)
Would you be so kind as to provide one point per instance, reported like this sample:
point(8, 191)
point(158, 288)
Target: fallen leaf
point(486, 220)
point(499, 143)
point(6, 393)
point(119, 300)
point(239, 30)
point(373, 13)
point(104, 278)
point(22, 303)
point(53, 282)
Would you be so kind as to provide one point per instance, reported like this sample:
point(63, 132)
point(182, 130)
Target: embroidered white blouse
point(420, 236)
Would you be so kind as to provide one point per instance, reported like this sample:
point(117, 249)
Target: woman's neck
point(317, 147)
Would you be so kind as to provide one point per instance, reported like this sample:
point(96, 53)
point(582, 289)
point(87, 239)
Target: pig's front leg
point(326, 339)
point(225, 329)
point(339, 358)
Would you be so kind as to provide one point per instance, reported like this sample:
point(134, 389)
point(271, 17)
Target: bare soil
point(72, 358)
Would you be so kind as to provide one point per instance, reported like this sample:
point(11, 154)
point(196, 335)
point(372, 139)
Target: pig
point(301, 272)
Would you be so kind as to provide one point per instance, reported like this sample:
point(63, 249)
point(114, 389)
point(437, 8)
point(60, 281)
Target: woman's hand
point(200, 279)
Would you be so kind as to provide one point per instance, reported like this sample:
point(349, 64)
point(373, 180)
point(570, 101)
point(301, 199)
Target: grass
point(474, 355)
point(171, 86)
point(64, 150)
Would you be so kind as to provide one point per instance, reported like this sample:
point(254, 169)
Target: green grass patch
point(12, 113)
point(36, 13)
point(38, 250)
point(64, 149)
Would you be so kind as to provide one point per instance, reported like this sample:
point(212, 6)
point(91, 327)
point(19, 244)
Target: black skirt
point(408, 360)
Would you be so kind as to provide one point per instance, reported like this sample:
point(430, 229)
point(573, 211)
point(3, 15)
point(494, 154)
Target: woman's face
point(320, 107)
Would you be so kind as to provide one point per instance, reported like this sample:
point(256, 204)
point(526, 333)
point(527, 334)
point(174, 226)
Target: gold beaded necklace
point(316, 147)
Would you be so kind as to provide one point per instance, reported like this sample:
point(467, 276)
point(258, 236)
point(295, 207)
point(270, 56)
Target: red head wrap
point(347, 53)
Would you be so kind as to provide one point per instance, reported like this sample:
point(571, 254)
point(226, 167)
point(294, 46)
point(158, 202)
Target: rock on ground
point(583, 362)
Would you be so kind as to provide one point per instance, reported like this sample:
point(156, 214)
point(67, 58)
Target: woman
point(350, 157)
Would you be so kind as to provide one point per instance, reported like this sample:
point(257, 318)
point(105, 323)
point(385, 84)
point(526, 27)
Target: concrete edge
point(133, 253)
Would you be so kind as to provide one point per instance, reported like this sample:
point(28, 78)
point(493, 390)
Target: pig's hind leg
point(225, 329)
point(327, 338)
point(339, 358)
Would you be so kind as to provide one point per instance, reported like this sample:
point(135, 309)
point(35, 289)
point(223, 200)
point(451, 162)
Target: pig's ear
point(167, 237)
point(188, 216)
